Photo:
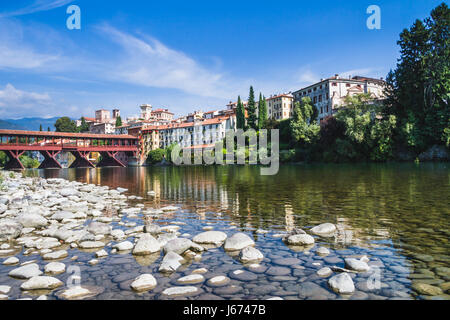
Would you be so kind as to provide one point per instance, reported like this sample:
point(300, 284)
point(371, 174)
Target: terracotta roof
point(63, 134)
point(280, 95)
point(216, 120)
point(162, 111)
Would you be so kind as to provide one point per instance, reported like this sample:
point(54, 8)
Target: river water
point(396, 214)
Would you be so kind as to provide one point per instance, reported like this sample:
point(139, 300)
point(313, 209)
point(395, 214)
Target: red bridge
point(14, 143)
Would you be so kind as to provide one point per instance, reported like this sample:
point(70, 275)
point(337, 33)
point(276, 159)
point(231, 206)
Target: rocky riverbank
point(57, 237)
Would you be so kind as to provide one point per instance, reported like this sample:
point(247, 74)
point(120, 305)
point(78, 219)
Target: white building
point(329, 94)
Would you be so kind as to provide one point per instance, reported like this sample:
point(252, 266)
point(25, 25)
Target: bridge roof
point(64, 134)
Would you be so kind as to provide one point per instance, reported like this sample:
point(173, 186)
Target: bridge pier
point(81, 160)
point(50, 161)
point(14, 161)
point(109, 160)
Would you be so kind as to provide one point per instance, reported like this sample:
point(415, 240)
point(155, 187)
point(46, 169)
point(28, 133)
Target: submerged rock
point(55, 268)
point(426, 289)
point(180, 291)
point(178, 245)
point(300, 239)
point(191, 279)
point(357, 265)
point(171, 262)
point(9, 229)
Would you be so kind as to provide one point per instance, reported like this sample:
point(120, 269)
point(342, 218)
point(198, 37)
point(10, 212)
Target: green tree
point(40, 127)
point(251, 107)
point(48, 129)
point(118, 121)
point(156, 156)
point(84, 127)
point(418, 89)
point(240, 114)
point(262, 112)
point(303, 126)
point(65, 124)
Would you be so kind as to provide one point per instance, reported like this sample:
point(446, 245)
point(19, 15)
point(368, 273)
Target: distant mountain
point(32, 124)
point(9, 125)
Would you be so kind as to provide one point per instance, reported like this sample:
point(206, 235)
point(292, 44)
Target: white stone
point(101, 254)
point(191, 279)
point(117, 234)
point(124, 246)
point(146, 245)
point(210, 237)
point(5, 289)
point(26, 272)
point(200, 271)
point(55, 255)
point(144, 282)
point(171, 262)
point(55, 268)
point(324, 228)
point(322, 251)
point(91, 244)
point(342, 283)
point(356, 265)
point(218, 280)
point(324, 272)
point(41, 283)
point(250, 254)
point(11, 261)
point(75, 293)
point(178, 245)
point(238, 241)
point(300, 239)
point(32, 220)
point(170, 208)
point(179, 291)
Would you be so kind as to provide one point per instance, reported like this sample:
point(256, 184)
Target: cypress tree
point(40, 127)
point(251, 107)
point(119, 121)
point(262, 112)
point(240, 114)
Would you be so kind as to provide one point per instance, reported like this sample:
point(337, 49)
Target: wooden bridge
point(15, 143)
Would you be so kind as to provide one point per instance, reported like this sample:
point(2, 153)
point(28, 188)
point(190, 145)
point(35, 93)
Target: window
point(328, 96)
point(320, 86)
point(315, 88)
point(309, 91)
point(321, 109)
point(320, 98)
point(315, 99)
point(334, 84)
point(347, 85)
point(327, 108)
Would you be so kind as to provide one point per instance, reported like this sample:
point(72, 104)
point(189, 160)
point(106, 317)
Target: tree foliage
point(240, 114)
point(156, 156)
point(65, 124)
point(251, 108)
point(262, 112)
point(84, 127)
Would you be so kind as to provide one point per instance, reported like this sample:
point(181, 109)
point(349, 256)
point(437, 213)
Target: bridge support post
point(50, 161)
point(81, 160)
point(14, 161)
point(109, 160)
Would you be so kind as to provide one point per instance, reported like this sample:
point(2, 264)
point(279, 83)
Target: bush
point(155, 156)
point(28, 162)
point(287, 155)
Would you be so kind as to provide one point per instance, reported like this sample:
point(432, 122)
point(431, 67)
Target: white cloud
point(308, 77)
point(36, 6)
point(356, 72)
point(148, 62)
point(15, 103)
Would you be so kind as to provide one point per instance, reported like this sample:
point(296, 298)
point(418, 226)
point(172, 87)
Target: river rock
point(9, 229)
point(300, 239)
point(146, 245)
point(342, 283)
point(218, 281)
point(123, 246)
point(76, 292)
point(178, 245)
point(55, 255)
point(238, 241)
point(357, 265)
point(26, 272)
point(278, 271)
point(322, 251)
point(5, 289)
point(101, 254)
point(91, 244)
point(97, 228)
point(243, 275)
point(171, 262)
point(41, 283)
point(324, 272)
point(250, 254)
point(11, 261)
point(191, 279)
point(426, 289)
point(55, 268)
point(144, 282)
point(61, 215)
point(180, 291)
point(323, 229)
point(170, 208)
point(210, 237)
point(152, 228)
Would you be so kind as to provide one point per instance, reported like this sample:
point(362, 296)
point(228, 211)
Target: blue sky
point(185, 55)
